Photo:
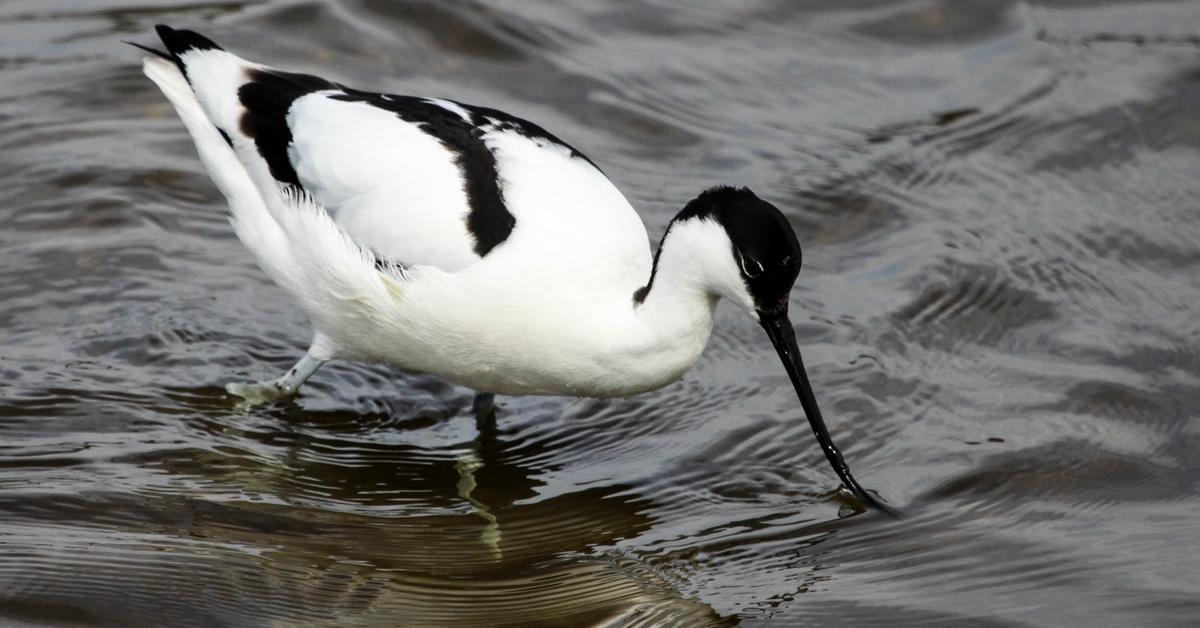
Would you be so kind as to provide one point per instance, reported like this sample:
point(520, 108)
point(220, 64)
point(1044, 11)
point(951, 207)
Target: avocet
point(465, 242)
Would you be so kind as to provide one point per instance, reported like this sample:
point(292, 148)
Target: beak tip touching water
point(783, 337)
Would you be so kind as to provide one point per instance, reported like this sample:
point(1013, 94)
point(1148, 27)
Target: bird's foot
point(259, 393)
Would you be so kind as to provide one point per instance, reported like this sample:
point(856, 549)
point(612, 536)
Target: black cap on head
point(764, 244)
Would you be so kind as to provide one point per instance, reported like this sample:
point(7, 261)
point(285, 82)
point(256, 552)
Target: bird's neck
point(692, 270)
point(674, 314)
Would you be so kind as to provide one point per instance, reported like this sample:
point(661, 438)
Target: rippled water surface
point(1000, 208)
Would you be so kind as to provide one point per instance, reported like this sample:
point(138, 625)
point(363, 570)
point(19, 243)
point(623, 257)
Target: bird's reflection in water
point(338, 526)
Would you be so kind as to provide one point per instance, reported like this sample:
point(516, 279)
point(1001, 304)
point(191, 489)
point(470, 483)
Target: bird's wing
point(405, 175)
point(419, 181)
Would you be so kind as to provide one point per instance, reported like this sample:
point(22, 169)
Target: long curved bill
point(779, 330)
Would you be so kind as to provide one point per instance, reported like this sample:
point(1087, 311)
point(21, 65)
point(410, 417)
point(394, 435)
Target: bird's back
point(423, 181)
point(430, 181)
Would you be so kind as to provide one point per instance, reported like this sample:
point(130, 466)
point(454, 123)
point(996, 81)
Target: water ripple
point(997, 310)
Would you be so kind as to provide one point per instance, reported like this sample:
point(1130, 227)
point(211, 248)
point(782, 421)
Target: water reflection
point(320, 525)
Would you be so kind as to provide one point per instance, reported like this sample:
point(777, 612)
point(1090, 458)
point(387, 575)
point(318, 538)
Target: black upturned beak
point(779, 330)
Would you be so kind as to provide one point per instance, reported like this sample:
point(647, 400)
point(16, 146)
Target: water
point(998, 204)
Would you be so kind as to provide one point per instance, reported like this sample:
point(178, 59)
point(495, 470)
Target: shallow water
point(999, 207)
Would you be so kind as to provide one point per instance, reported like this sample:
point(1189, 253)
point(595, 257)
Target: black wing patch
point(501, 121)
point(267, 97)
point(489, 220)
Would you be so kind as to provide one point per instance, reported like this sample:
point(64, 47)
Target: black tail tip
point(157, 53)
point(181, 41)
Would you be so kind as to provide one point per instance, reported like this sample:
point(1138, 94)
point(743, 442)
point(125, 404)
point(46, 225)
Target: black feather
point(179, 42)
point(489, 220)
point(267, 97)
point(155, 52)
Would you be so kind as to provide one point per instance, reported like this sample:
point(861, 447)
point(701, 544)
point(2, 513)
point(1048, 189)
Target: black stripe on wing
point(269, 95)
point(267, 98)
point(488, 220)
point(496, 120)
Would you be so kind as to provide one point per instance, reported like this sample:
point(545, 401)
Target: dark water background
point(1000, 208)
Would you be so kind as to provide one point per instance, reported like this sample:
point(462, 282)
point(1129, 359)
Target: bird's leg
point(281, 387)
point(321, 351)
point(484, 409)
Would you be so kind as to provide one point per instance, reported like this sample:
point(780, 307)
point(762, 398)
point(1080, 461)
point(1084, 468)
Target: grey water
point(999, 204)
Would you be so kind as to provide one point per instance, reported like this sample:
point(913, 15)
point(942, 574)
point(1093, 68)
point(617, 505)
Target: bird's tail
point(294, 239)
point(214, 75)
point(252, 220)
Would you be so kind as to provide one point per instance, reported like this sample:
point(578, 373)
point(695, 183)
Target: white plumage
point(460, 241)
point(548, 311)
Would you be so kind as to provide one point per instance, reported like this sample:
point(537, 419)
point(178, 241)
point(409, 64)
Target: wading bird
point(464, 242)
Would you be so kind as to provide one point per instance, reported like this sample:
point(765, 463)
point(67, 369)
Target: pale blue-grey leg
point(287, 384)
point(279, 388)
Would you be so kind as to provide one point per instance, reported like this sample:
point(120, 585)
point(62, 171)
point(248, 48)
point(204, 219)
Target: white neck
point(694, 269)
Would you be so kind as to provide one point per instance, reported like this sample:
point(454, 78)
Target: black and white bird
point(465, 242)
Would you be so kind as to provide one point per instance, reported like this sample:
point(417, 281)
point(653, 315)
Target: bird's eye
point(752, 268)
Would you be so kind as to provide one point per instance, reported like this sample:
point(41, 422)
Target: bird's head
point(747, 252)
